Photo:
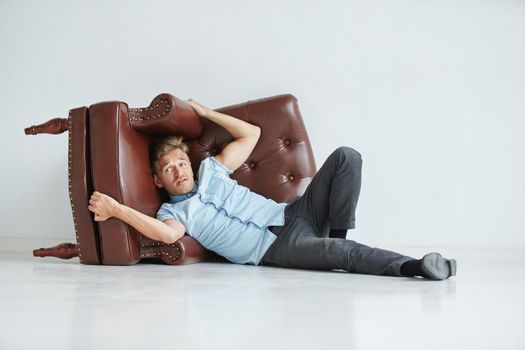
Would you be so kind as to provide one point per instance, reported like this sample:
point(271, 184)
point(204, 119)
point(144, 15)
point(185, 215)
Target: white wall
point(432, 93)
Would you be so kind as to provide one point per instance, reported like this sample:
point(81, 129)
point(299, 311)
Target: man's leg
point(330, 202)
point(299, 246)
point(331, 198)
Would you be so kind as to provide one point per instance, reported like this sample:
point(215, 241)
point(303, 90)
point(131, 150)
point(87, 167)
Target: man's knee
point(349, 154)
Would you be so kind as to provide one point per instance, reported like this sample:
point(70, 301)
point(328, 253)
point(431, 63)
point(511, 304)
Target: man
point(247, 228)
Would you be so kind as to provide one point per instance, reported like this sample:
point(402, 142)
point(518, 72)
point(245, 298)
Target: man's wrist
point(118, 210)
point(209, 113)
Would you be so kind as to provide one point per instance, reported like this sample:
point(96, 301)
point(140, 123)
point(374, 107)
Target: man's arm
point(105, 207)
point(246, 135)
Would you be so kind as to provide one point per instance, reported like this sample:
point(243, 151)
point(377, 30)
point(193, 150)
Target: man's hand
point(199, 109)
point(106, 207)
point(103, 206)
point(246, 135)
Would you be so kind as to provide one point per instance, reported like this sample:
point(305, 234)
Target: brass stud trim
point(70, 182)
point(147, 109)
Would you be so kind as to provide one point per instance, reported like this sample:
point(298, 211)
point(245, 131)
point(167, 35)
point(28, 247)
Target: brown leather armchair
point(108, 152)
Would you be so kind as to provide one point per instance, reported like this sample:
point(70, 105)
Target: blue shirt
point(225, 217)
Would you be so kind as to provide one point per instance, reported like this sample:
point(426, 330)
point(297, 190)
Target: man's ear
point(157, 181)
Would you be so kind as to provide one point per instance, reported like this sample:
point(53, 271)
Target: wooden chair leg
point(62, 251)
point(53, 126)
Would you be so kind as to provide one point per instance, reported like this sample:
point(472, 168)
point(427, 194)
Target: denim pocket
point(217, 189)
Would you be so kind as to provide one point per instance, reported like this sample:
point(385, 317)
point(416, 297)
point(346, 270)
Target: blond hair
point(159, 147)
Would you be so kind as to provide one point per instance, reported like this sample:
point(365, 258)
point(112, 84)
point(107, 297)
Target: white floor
point(61, 304)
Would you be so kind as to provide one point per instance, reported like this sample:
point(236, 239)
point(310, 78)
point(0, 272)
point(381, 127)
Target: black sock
point(337, 233)
point(412, 268)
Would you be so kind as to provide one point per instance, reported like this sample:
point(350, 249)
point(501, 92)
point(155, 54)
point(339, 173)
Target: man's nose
point(177, 172)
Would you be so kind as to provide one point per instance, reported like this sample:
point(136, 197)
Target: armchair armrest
point(185, 251)
point(166, 115)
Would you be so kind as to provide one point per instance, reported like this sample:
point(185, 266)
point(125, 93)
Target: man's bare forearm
point(148, 226)
point(236, 127)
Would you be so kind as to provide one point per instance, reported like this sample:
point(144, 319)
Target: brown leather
point(115, 150)
point(166, 115)
point(282, 163)
point(109, 146)
point(185, 251)
point(81, 187)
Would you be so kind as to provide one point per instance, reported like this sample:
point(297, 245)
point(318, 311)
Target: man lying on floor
point(247, 228)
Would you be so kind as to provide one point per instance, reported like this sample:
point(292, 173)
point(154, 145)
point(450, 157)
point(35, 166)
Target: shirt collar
point(180, 197)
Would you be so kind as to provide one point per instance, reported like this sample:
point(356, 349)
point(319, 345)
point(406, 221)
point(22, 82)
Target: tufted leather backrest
point(282, 163)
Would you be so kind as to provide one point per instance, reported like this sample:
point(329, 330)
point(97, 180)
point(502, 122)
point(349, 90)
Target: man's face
point(174, 173)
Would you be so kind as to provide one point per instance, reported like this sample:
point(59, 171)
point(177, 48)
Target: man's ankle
point(412, 268)
point(338, 233)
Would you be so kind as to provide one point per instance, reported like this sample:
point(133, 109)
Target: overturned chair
point(108, 152)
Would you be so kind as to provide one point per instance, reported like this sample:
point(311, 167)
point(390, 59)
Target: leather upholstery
point(108, 152)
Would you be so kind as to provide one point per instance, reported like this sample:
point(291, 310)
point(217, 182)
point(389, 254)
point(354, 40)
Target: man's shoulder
point(210, 165)
point(220, 166)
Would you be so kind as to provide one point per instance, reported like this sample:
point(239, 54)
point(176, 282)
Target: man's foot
point(435, 267)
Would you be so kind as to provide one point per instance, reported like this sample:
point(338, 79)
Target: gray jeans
point(329, 202)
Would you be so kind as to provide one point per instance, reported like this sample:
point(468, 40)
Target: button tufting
point(252, 164)
point(287, 142)
point(290, 177)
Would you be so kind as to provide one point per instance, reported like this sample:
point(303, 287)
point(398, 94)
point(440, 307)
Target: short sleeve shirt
point(225, 217)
